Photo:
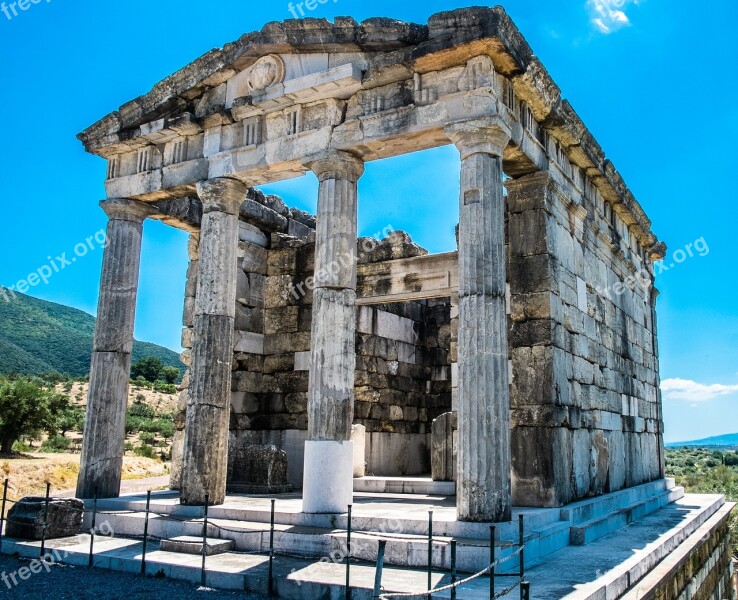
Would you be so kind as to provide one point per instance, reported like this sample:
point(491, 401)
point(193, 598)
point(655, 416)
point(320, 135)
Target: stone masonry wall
point(403, 376)
point(585, 390)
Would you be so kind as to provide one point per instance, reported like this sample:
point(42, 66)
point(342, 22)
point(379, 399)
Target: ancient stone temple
point(539, 333)
point(514, 380)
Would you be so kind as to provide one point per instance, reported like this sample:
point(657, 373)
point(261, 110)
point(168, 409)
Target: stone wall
point(701, 568)
point(585, 390)
point(404, 369)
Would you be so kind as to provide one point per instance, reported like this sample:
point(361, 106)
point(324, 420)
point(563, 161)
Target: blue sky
point(654, 80)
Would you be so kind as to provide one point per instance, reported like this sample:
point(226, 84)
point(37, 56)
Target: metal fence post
point(430, 552)
point(270, 583)
point(348, 555)
point(146, 533)
point(525, 590)
point(492, 553)
point(453, 569)
point(92, 530)
point(2, 513)
point(521, 534)
point(46, 520)
point(203, 578)
point(378, 572)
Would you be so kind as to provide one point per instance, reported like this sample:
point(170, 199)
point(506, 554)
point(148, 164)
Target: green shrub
point(58, 443)
point(147, 438)
point(145, 451)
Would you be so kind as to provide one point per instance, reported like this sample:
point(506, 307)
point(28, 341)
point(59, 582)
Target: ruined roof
point(390, 47)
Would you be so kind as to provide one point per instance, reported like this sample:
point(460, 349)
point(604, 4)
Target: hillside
point(41, 337)
point(729, 440)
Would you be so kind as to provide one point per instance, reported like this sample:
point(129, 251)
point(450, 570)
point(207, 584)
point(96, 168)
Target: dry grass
point(162, 403)
point(28, 475)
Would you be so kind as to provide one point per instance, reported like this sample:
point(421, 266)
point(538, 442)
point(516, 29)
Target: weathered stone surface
point(586, 414)
point(330, 404)
point(206, 431)
point(28, 518)
point(257, 469)
point(262, 217)
point(102, 448)
point(397, 244)
point(443, 447)
point(484, 485)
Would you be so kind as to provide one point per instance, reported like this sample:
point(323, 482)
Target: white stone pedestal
point(328, 481)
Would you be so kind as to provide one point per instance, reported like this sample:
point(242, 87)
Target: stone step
point(404, 550)
point(404, 485)
point(364, 518)
point(589, 531)
point(587, 510)
point(608, 568)
point(190, 544)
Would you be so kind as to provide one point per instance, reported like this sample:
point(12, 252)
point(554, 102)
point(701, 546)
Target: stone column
point(483, 484)
point(328, 479)
point(205, 455)
point(101, 463)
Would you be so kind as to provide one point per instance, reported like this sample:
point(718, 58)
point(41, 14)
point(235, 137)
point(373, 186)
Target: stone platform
point(632, 560)
point(402, 519)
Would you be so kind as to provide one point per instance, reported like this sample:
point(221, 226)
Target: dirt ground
point(28, 475)
point(162, 403)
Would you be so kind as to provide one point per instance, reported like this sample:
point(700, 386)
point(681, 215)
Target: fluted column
point(483, 485)
point(205, 460)
point(101, 463)
point(328, 478)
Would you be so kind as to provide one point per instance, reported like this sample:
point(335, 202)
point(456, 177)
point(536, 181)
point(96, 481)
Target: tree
point(26, 407)
point(148, 368)
point(170, 374)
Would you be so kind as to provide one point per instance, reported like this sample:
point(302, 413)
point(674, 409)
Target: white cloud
point(686, 389)
point(609, 15)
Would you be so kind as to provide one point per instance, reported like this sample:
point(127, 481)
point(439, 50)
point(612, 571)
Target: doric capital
point(488, 136)
point(123, 209)
point(336, 165)
point(222, 194)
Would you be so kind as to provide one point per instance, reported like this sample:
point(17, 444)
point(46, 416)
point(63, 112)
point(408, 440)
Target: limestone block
point(443, 451)
point(255, 258)
point(251, 343)
point(257, 470)
point(358, 438)
point(281, 320)
point(262, 217)
point(251, 234)
point(279, 362)
point(302, 361)
point(27, 518)
point(298, 230)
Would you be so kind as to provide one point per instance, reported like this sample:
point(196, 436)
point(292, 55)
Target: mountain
point(729, 440)
point(38, 337)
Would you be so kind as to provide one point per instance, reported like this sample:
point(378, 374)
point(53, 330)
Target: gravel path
point(73, 583)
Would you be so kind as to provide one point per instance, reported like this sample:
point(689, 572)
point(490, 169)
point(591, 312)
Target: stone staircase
point(606, 568)
point(314, 536)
